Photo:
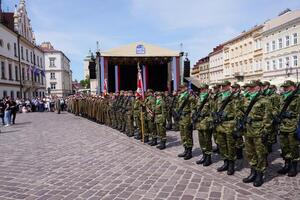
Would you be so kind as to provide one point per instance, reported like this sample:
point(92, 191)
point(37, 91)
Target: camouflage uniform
point(150, 130)
point(129, 116)
point(160, 121)
point(137, 116)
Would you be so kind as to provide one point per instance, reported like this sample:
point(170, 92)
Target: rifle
point(240, 124)
point(178, 114)
point(283, 114)
point(198, 112)
point(218, 116)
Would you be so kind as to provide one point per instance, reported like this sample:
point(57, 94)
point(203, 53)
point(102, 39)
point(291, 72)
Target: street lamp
point(289, 71)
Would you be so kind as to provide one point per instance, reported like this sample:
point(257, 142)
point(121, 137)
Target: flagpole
point(142, 116)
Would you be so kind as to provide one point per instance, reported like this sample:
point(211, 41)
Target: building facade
point(216, 63)
point(204, 70)
point(239, 53)
point(21, 60)
point(281, 47)
point(57, 70)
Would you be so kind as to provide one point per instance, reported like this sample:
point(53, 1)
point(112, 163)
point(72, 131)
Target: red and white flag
point(140, 85)
point(105, 87)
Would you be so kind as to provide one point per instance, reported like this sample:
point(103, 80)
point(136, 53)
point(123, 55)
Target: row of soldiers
point(239, 120)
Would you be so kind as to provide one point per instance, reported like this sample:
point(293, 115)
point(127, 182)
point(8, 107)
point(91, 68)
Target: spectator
point(7, 111)
point(2, 111)
point(14, 110)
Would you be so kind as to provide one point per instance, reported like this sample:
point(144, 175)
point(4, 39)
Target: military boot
point(183, 153)
point(259, 179)
point(202, 160)
point(251, 177)
point(153, 142)
point(188, 154)
point(207, 161)
point(286, 168)
point(230, 170)
point(224, 167)
point(146, 139)
point(239, 153)
point(293, 170)
point(162, 145)
point(138, 136)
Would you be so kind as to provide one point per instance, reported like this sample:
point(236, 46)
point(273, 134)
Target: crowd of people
point(9, 107)
point(244, 122)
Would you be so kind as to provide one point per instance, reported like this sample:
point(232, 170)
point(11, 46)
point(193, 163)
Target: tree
point(86, 82)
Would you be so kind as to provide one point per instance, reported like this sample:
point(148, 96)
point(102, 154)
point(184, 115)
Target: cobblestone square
point(50, 156)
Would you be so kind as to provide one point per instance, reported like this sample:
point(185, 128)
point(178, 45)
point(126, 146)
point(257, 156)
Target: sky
point(74, 26)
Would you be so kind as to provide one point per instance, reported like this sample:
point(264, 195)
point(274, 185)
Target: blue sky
point(74, 26)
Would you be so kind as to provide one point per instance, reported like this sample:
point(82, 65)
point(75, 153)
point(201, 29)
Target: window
point(31, 57)
point(23, 74)
point(280, 63)
point(8, 46)
point(287, 41)
point(3, 70)
point(52, 75)
point(4, 93)
point(274, 64)
point(268, 65)
point(9, 72)
point(295, 35)
point(41, 61)
point(273, 45)
point(27, 58)
point(15, 50)
point(16, 73)
point(1, 43)
point(38, 60)
point(22, 53)
point(287, 62)
point(280, 43)
point(52, 62)
point(267, 47)
point(295, 61)
point(12, 94)
point(18, 94)
point(53, 86)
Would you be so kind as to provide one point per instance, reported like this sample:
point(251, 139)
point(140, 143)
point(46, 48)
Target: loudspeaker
point(187, 67)
point(92, 69)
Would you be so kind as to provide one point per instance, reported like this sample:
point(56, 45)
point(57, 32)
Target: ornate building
point(21, 60)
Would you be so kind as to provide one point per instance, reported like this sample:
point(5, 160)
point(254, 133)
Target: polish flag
point(140, 85)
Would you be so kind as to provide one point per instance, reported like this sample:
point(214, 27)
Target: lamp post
point(289, 71)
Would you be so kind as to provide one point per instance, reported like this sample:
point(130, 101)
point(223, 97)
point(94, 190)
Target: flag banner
point(36, 71)
point(140, 85)
point(105, 87)
point(43, 73)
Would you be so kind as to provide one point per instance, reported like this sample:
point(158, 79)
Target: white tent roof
point(139, 49)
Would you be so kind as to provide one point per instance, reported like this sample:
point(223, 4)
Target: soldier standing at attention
point(160, 120)
point(149, 117)
point(137, 106)
point(256, 133)
point(129, 115)
point(225, 119)
point(201, 116)
point(175, 126)
point(215, 96)
point(288, 122)
point(169, 103)
point(183, 115)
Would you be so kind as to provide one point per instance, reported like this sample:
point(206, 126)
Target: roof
point(8, 20)
point(281, 19)
point(139, 49)
point(195, 81)
point(47, 50)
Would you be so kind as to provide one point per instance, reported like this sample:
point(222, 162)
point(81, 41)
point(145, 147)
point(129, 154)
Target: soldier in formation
point(241, 121)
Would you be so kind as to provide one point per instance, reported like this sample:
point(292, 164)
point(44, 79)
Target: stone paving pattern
point(50, 156)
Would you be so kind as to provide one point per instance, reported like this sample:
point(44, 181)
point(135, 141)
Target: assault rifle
point(219, 116)
point(198, 112)
point(178, 114)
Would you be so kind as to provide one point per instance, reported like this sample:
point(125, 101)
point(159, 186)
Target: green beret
point(288, 83)
point(225, 83)
point(255, 83)
point(150, 90)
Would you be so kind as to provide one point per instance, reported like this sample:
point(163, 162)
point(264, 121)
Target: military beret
point(150, 90)
point(235, 85)
point(255, 83)
point(225, 83)
point(265, 83)
point(203, 86)
point(288, 83)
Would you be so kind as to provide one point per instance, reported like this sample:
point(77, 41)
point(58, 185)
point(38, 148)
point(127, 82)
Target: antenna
point(97, 43)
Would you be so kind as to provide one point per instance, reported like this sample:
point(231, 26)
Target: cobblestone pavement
point(50, 156)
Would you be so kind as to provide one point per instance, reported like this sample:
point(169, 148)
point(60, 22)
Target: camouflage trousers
point(256, 153)
point(289, 146)
point(137, 121)
point(161, 131)
point(129, 124)
point(186, 132)
point(272, 136)
point(226, 141)
point(205, 141)
point(150, 129)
